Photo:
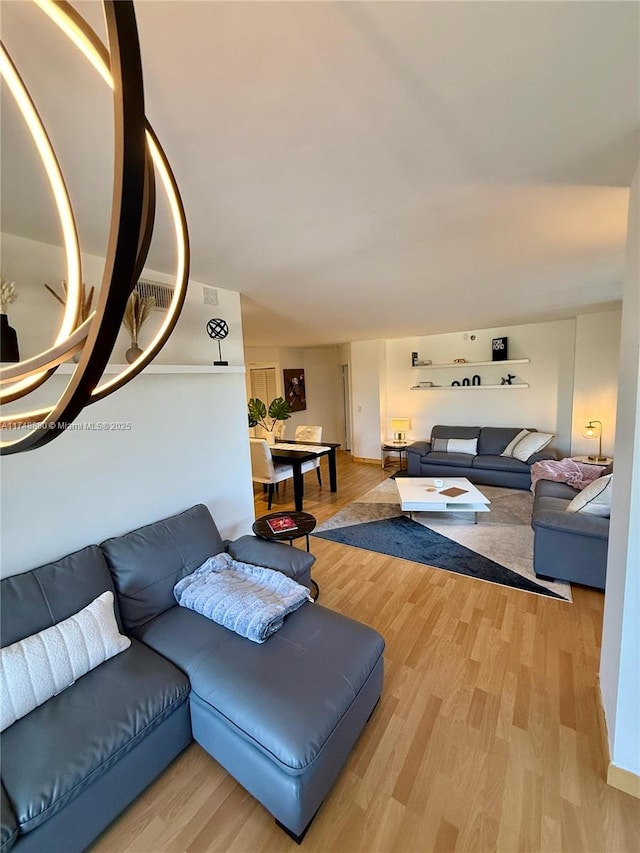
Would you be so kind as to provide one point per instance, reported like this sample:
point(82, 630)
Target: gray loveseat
point(281, 717)
point(487, 466)
point(567, 546)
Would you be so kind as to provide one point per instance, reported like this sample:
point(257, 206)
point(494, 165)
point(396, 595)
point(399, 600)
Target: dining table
point(296, 453)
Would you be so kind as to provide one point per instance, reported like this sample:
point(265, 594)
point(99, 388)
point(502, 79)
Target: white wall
point(36, 315)
point(368, 399)
point(187, 442)
point(545, 404)
point(596, 379)
point(620, 659)
point(322, 381)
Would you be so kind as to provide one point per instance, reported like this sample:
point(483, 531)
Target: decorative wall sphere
point(217, 329)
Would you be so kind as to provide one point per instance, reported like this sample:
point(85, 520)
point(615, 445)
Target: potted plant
point(266, 419)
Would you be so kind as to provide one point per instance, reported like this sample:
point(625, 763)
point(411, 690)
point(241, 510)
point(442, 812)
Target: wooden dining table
point(294, 457)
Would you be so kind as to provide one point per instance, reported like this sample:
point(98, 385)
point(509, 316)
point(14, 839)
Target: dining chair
point(313, 434)
point(264, 470)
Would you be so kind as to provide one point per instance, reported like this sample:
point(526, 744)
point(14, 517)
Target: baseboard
point(602, 723)
point(368, 461)
point(617, 777)
point(624, 780)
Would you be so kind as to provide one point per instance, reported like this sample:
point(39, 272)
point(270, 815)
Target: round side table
point(392, 447)
point(305, 523)
point(589, 460)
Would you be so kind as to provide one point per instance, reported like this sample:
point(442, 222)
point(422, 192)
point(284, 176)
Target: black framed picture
point(499, 349)
point(294, 389)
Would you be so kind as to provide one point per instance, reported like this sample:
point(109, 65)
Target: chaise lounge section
point(281, 717)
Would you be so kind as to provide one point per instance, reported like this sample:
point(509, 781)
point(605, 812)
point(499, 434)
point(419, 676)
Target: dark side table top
point(305, 524)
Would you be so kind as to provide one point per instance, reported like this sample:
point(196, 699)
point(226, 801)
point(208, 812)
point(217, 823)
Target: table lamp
point(400, 427)
point(593, 431)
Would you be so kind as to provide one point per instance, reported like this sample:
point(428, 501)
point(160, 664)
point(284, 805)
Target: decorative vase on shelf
point(133, 353)
point(8, 341)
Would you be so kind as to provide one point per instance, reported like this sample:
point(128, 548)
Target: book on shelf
point(282, 524)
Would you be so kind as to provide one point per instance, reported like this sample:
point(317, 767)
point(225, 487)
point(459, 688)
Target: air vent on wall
point(162, 293)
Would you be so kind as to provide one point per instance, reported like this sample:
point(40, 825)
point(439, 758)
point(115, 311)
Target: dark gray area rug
point(499, 548)
point(401, 537)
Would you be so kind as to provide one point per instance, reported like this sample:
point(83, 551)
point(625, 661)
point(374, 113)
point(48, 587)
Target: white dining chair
point(312, 434)
point(264, 470)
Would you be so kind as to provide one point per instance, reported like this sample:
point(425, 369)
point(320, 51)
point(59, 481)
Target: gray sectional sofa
point(281, 717)
point(486, 467)
point(567, 546)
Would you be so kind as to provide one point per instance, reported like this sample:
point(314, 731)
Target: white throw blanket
point(250, 600)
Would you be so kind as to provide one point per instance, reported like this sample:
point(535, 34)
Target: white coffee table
point(421, 494)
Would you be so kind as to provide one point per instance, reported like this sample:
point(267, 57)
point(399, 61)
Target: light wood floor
point(486, 737)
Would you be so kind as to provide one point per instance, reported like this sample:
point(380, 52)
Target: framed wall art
point(294, 389)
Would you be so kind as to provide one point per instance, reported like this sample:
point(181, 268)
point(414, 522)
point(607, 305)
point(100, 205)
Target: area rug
point(498, 549)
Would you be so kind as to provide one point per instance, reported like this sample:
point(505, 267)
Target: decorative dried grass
point(86, 299)
point(137, 313)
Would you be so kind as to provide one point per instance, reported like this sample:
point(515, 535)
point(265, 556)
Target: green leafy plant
point(259, 415)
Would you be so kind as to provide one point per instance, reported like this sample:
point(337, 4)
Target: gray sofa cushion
point(493, 440)
point(55, 752)
point(458, 460)
point(147, 563)
point(285, 696)
point(38, 599)
point(500, 463)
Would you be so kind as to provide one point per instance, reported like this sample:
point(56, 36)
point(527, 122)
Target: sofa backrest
point(148, 562)
point(442, 431)
point(493, 440)
point(42, 597)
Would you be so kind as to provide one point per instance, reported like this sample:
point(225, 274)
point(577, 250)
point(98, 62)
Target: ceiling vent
point(162, 293)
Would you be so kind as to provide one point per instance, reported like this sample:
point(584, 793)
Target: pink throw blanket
point(576, 474)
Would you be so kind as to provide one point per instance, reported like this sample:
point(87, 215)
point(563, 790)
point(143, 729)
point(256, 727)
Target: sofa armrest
point(577, 523)
point(9, 831)
point(293, 562)
point(542, 454)
point(419, 447)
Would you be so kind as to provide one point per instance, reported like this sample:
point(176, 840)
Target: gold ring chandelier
point(139, 160)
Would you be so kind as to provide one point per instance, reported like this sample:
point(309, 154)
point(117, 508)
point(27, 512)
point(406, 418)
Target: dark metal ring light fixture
point(139, 158)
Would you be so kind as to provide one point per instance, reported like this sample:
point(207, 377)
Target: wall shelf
point(468, 387)
point(67, 368)
point(471, 364)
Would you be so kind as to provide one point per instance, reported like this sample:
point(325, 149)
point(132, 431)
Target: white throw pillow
point(508, 451)
point(44, 664)
point(595, 499)
point(530, 444)
point(455, 445)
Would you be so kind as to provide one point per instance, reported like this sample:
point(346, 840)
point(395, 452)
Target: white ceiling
point(365, 170)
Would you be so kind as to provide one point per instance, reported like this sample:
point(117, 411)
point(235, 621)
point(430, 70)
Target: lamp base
point(597, 458)
point(220, 363)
